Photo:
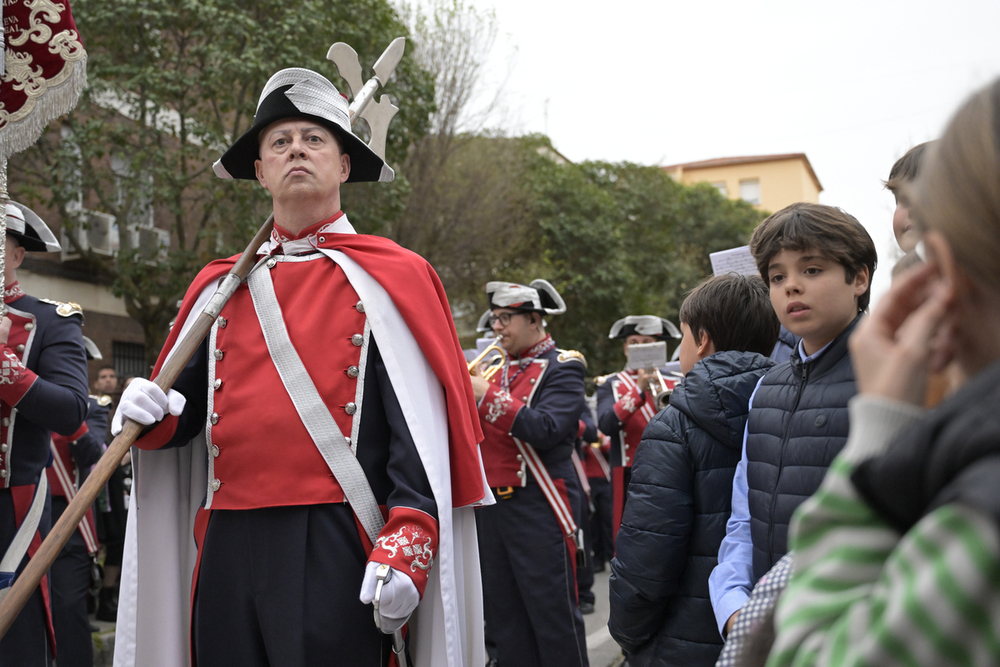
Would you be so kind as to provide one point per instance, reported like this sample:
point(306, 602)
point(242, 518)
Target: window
point(129, 359)
point(721, 187)
point(750, 191)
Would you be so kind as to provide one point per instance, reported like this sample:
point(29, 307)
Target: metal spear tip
point(387, 62)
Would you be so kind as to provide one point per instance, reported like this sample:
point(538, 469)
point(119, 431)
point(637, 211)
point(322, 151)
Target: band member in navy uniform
point(595, 463)
point(374, 387)
point(625, 404)
point(528, 540)
point(110, 510)
point(72, 570)
point(586, 434)
point(43, 389)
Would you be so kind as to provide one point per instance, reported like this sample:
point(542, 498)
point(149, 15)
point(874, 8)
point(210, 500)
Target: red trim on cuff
point(79, 433)
point(499, 408)
point(628, 404)
point(581, 429)
point(15, 379)
point(159, 435)
point(408, 543)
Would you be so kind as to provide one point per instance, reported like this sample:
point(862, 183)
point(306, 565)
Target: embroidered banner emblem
point(46, 70)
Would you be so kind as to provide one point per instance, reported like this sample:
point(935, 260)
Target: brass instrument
point(658, 387)
point(495, 363)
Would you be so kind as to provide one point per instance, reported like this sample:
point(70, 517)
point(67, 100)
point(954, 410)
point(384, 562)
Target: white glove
point(399, 597)
point(145, 403)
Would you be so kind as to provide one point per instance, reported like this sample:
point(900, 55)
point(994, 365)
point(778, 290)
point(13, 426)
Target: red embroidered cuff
point(408, 543)
point(15, 379)
point(628, 404)
point(499, 408)
point(159, 435)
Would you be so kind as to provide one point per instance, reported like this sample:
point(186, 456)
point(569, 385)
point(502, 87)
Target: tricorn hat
point(644, 325)
point(297, 92)
point(93, 352)
point(24, 225)
point(484, 322)
point(538, 296)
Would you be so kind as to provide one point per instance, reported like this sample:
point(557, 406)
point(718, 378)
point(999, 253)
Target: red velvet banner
point(45, 70)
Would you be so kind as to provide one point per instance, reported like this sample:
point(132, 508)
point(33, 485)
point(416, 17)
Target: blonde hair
point(957, 191)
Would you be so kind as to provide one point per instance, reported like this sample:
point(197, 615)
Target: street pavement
point(601, 648)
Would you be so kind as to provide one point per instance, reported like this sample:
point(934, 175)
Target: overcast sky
point(851, 84)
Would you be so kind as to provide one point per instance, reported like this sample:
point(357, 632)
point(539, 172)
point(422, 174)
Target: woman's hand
point(905, 339)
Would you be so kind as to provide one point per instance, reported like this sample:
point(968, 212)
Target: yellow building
point(769, 182)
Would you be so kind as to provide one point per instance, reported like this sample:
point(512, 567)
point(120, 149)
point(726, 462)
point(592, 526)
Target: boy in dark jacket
point(818, 262)
point(679, 498)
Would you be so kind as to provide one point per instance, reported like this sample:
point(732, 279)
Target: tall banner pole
point(4, 198)
point(44, 72)
point(44, 69)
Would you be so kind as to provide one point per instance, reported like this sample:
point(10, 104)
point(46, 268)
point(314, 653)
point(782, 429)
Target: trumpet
point(494, 365)
point(658, 388)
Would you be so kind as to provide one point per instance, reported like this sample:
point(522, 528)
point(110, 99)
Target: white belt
point(22, 539)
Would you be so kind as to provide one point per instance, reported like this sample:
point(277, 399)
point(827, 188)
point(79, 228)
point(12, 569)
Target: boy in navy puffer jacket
point(818, 262)
point(679, 499)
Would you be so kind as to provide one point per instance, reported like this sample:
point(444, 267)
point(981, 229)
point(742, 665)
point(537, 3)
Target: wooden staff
point(25, 583)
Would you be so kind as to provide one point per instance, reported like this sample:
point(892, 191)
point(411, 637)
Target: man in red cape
point(285, 564)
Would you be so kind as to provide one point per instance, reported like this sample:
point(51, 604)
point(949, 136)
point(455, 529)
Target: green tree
point(618, 239)
point(172, 83)
point(465, 212)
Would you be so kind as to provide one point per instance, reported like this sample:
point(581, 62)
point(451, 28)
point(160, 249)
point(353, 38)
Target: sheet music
point(735, 260)
point(647, 355)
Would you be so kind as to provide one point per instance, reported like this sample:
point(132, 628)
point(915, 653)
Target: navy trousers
point(601, 541)
point(585, 572)
point(278, 587)
point(529, 586)
point(26, 644)
point(70, 580)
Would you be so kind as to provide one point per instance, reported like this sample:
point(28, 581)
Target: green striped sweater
point(862, 594)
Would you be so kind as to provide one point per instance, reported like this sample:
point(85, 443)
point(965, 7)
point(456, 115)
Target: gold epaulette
point(64, 309)
point(571, 355)
point(601, 379)
point(103, 401)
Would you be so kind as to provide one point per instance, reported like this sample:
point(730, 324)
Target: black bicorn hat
point(539, 296)
point(297, 92)
point(644, 325)
point(30, 231)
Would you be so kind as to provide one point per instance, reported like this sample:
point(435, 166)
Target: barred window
point(129, 359)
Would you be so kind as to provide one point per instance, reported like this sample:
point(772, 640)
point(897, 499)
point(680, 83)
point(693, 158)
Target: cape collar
point(308, 239)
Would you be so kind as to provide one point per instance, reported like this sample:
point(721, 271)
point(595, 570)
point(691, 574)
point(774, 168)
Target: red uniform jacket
point(260, 454)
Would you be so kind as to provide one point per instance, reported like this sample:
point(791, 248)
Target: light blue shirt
point(731, 581)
